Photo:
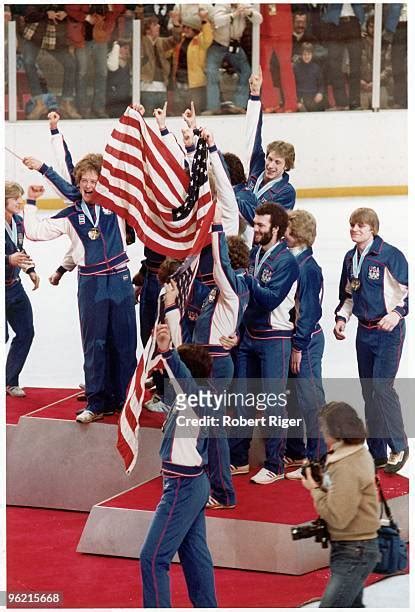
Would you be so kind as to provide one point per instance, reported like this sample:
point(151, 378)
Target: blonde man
point(308, 339)
point(374, 287)
point(19, 313)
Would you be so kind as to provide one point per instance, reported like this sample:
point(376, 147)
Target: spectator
point(46, 29)
point(347, 501)
point(163, 13)
point(302, 33)
point(229, 21)
point(366, 73)
point(276, 37)
point(343, 31)
point(309, 81)
point(118, 81)
point(19, 313)
point(189, 62)
point(396, 32)
point(89, 30)
point(155, 64)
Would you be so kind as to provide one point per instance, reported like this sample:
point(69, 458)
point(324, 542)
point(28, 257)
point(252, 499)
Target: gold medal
point(355, 284)
point(94, 233)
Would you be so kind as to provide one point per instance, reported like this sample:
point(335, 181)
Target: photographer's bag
point(394, 556)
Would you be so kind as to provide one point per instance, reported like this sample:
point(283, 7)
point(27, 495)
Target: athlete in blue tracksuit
point(308, 338)
point(268, 179)
point(220, 316)
point(265, 350)
point(179, 521)
point(19, 313)
point(105, 294)
point(374, 287)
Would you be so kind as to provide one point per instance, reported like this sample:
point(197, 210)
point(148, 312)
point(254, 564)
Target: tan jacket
point(164, 48)
point(350, 505)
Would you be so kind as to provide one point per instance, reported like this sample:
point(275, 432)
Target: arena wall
point(347, 153)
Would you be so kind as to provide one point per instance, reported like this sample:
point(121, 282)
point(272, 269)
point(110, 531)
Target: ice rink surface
point(55, 359)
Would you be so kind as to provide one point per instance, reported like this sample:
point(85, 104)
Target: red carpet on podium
point(63, 404)
point(273, 506)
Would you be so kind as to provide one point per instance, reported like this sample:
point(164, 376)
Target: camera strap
point(385, 504)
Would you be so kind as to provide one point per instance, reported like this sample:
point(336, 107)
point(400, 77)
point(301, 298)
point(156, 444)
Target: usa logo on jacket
point(373, 273)
point(266, 275)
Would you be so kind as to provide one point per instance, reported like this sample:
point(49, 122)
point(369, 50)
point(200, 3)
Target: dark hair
point(342, 422)
point(278, 214)
point(167, 268)
point(238, 252)
point(235, 168)
point(197, 358)
point(148, 22)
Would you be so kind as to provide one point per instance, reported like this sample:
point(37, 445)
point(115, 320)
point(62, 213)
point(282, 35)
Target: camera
point(316, 471)
point(234, 46)
point(316, 529)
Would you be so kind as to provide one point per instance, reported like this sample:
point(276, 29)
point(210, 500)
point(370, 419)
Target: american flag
point(143, 182)
point(150, 360)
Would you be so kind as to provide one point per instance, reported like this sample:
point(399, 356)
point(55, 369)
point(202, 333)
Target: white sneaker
point(15, 391)
point(236, 470)
point(87, 416)
point(265, 476)
point(294, 475)
point(156, 405)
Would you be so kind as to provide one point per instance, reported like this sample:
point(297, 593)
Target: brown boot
point(68, 111)
point(39, 111)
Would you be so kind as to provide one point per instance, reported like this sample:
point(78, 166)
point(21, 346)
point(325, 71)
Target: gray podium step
point(115, 529)
point(58, 463)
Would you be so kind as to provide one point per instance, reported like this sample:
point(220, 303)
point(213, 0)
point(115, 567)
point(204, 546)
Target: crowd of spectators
point(314, 57)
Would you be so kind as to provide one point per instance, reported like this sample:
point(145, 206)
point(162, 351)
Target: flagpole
point(13, 153)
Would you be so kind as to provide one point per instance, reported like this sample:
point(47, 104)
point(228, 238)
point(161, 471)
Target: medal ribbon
point(12, 231)
point(260, 191)
point(357, 265)
point(258, 263)
point(87, 213)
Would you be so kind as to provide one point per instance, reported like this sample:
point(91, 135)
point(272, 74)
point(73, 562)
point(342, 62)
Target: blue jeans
point(215, 56)
point(350, 564)
point(19, 316)
point(98, 51)
point(267, 360)
point(308, 398)
point(179, 525)
point(378, 356)
point(30, 53)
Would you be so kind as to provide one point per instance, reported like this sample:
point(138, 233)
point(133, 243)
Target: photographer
point(347, 501)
